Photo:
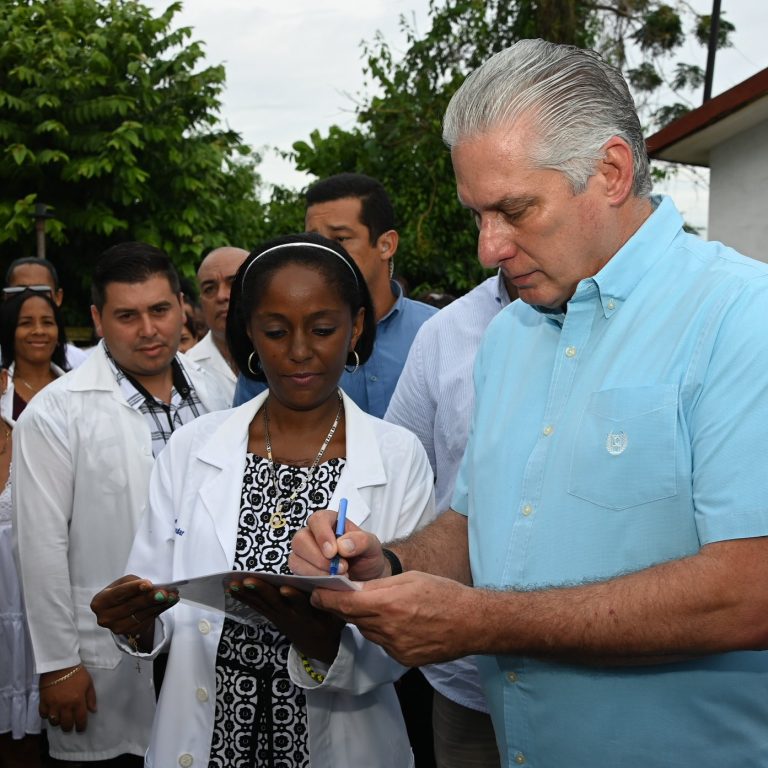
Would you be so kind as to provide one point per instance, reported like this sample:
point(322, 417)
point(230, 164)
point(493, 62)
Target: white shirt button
point(511, 677)
point(204, 626)
point(527, 509)
point(186, 760)
point(202, 694)
point(611, 304)
point(520, 758)
point(548, 430)
point(570, 351)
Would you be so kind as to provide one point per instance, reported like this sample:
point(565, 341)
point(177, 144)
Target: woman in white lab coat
point(230, 491)
point(33, 345)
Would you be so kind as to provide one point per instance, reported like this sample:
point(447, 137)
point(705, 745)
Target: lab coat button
point(204, 626)
point(202, 694)
point(186, 760)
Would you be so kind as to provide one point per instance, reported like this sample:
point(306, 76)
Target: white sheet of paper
point(209, 592)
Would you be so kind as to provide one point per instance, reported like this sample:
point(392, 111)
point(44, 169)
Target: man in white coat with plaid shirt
point(83, 453)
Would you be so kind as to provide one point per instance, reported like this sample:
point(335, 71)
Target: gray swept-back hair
point(576, 103)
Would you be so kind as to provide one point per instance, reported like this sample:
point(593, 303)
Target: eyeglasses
point(13, 290)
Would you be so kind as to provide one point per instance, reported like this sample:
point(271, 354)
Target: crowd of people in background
point(550, 502)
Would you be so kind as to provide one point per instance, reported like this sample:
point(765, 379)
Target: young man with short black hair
point(83, 452)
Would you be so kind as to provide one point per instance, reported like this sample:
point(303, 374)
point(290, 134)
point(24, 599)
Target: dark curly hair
point(254, 277)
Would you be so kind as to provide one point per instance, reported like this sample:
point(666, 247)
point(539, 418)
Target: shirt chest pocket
point(624, 450)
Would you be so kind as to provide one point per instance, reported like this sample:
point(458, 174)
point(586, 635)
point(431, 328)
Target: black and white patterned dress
point(261, 716)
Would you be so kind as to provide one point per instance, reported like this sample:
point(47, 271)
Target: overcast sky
point(296, 66)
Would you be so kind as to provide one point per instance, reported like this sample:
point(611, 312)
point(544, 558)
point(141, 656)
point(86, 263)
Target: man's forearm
point(439, 548)
point(712, 602)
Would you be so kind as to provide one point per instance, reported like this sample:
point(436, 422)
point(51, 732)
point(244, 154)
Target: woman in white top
point(33, 346)
point(229, 492)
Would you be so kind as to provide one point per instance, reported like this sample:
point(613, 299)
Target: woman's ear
point(357, 328)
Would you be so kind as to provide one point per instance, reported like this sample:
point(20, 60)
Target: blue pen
point(341, 521)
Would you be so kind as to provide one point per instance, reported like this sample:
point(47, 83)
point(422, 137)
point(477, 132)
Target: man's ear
point(387, 244)
point(616, 170)
point(96, 317)
point(58, 297)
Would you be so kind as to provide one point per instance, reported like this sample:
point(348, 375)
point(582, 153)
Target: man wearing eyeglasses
point(31, 274)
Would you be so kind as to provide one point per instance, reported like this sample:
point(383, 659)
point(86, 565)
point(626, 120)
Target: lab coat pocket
point(624, 450)
point(97, 648)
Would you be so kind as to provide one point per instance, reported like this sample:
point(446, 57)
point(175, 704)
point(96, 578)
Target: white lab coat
point(82, 458)
point(206, 354)
point(353, 717)
point(9, 389)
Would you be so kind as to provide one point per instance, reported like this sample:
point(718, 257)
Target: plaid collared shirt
point(162, 418)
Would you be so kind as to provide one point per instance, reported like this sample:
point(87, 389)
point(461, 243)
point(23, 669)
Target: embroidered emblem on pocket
point(616, 443)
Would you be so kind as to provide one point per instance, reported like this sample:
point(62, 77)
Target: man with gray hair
point(605, 551)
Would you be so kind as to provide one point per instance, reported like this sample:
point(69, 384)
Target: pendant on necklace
point(277, 518)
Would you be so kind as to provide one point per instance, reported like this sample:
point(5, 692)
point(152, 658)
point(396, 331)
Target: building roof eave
point(690, 139)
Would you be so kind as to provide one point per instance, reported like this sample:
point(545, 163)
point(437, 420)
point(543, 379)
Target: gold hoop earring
point(258, 364)
point(357, 363)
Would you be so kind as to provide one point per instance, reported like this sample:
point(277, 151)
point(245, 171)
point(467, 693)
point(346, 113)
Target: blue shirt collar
point(397, 292)
point(617, 279)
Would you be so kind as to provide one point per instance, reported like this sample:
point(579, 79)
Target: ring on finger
point(133, 616)
point(53, 720)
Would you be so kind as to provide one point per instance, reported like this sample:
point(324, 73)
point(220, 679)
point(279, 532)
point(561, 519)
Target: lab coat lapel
point(364, 466)
point(221, 462)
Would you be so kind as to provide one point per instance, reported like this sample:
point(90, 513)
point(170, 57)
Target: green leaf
point(51, 126)
point(20, 153)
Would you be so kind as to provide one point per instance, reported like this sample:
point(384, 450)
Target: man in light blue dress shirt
point(606, 549)
point(355, 210)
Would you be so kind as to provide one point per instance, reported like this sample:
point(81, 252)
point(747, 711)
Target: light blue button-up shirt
point(625, 433)
point(371, 385)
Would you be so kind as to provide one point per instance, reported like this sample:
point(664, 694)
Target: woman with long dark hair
point(33, 354)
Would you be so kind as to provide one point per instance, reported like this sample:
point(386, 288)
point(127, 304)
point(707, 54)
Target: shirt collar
point(180, 383)
point(500, 292)
point(618, 278)
point(397, 292)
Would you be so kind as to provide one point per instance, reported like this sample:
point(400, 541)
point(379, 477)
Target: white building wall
point(738, 192)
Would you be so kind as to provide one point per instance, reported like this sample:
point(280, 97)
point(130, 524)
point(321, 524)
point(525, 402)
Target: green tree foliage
point(397, 138)
point(107, 116)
